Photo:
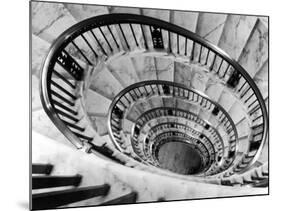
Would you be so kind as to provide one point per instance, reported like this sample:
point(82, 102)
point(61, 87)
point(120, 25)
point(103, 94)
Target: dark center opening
point(179, 157)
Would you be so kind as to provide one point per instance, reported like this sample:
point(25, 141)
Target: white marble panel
point(261, 80)
point(199, 79)
point(96, 103)
point(99, 124)
point(123, 69)
point(235, 34)
point(164, 68)
point(145, 67)
point(237, 112)
point(36, 102)
point(49, 20)
point(84, 11)
point(226, 100)
point(214, 88)
point(182, 74)
point(105, 83)
point(42, 124)
point(243, 128)
point(210, 26)
point(187, 20)
point(39, 51)
point(255, 53)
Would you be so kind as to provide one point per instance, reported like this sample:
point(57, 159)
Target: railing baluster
point(134, 35)
point(169, 42)
point(256, 100)
point(249, 97)
point(63, 90)
point(108, 27)
point(83, 136)
point(62, 98)
point(98, 42)
point(226, 70)
point(213, 64)
point(122, 32)
point(66, 115)
point(80, 51)
point(64, 107)
point(64, 79)
point(207, 57)
point(104, 37)
point(74, 126)
point(178, 47)
point(87, 42)
point(144, 38)
point(200, 52)
point(185, 46)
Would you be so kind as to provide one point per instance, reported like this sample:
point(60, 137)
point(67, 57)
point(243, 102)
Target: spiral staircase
point(179, 95)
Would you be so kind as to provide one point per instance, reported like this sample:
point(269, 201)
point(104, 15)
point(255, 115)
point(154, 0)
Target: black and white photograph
point(131, 105)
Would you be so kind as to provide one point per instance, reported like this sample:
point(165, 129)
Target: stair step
point(164, 68)
point(145, 67)
point(42, 169)
point(105, 83)
point(55, 199)
point(126, 199)
point(99, 124)
point(182, 73)
point(39, 182)
point(96, 104)
point(123, 70)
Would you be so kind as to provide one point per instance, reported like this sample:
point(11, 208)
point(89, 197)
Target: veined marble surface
point(116, 9)
point(105, 83)
point(255, 53)
point(210, 26)
point(145, 67)
point(235, 34)
point(164, 68)
point(49, 20)
point(96, 104)
point(261, 79)
point(99, 124)
point(187, 20)
point(183, 74)
point(84, 11)
point(123, 69)
point(36, 102)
